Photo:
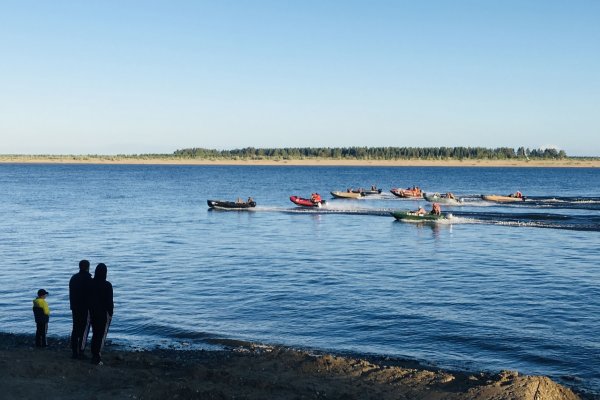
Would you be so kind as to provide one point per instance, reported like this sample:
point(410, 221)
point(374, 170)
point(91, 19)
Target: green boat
point(411, 216)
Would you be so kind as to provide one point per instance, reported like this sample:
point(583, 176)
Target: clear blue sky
point(108, 77)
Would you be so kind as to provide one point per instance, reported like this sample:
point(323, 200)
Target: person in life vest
point(518, 195)
point(315, 197)
point(436, 209)
point(41, 313)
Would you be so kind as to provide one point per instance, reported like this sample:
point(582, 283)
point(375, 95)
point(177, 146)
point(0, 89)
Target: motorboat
point(231, 205)
point(413, 192)
point(301, 201)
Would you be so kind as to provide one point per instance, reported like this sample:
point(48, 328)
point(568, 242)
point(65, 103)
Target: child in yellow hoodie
point(41, 312)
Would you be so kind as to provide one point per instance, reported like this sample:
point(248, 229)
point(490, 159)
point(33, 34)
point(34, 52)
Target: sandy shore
point(245, 371)
point(82, 159)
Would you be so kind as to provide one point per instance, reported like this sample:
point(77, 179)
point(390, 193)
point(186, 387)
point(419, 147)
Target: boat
point(301, 201)
point(347, 195)
point(412, 216)
point(414, 192)
point(231, 205)
point(367, 192)
point(442, 199)
point(511, 198)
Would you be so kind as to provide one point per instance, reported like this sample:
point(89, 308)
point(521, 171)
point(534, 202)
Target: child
point(41, 312)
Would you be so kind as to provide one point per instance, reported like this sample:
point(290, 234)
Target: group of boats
point(415, 192)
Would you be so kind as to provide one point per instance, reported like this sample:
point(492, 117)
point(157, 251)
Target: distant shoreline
point(149, 160)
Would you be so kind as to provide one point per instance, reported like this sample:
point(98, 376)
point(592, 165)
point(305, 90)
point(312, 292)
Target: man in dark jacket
point(101, 310)
point(78, 297)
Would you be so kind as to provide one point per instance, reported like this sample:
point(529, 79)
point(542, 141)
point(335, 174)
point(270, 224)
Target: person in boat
point(518, 195)
point(420, 211)
point(450, 195)
point(239, 200)
point(315, 197)
point(373, 187)
point(250, 200)
point(436, 209)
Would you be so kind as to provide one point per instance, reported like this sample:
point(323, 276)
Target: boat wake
point(519, 218)
point(580, 222)
point(580, 203)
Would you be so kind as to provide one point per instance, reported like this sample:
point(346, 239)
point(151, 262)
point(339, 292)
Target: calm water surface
point(497, 287)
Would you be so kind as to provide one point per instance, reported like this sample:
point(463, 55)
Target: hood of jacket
point(100, 273)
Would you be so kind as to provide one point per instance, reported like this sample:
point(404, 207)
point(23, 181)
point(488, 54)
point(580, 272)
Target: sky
point(136, 77)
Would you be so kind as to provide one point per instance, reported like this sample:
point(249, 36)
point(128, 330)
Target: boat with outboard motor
point(413, 216)
point(511, 198)
point(446, 199)
point(367, 192)
point(312, 202)
point(414, 192)
point(231, 205)
point(347, 195)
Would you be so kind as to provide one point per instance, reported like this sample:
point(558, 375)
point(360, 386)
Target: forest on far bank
point(375, 153)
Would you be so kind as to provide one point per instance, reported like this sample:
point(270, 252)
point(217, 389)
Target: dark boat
point(301, 201)
point(231, 205)
point(412, 216)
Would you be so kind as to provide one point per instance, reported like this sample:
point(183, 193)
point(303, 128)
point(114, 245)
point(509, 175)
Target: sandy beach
point(149, 160)
point(245, 371)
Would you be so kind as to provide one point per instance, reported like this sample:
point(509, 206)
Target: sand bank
point(575, 163)
point(245, 371)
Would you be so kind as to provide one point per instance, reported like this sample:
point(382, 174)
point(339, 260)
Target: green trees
point(374, 153)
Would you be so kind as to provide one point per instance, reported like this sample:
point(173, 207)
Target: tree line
point(374, 153)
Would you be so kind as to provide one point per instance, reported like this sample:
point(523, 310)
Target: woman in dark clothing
point(101, 310)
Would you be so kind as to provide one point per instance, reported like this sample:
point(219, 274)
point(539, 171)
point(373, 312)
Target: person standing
point(79, 286)
point(41, 313)
point(101, 310)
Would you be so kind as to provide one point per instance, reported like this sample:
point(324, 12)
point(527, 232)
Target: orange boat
point(414, 192)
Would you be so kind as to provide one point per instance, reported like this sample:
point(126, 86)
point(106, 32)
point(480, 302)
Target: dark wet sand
point(244, 371)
